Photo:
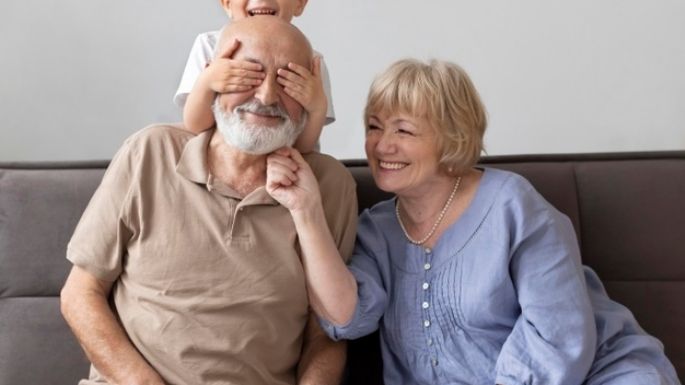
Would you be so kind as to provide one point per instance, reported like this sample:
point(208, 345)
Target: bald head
point(264, 117)
point(269, 35)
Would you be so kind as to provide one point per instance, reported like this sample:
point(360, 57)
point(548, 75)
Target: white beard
point(254, 138)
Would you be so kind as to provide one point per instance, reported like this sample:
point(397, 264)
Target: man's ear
point(299, 9)
point(226, 5)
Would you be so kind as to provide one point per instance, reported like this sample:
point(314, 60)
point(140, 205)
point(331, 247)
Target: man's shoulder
point(328, 170)
point(159, 139)
point(159, 133)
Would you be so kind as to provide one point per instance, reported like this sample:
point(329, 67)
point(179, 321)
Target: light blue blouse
point(501, 298)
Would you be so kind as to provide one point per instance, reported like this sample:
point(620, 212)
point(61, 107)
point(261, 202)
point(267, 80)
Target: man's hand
point(225, 75)
point(305, 87)
point(290, 181)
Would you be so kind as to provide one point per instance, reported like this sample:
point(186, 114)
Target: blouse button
point(425, 286)
point(427, 250)
point(429, 342)
point(427, 266)
point(434, 362)
point(426, 323)
point(425, 305)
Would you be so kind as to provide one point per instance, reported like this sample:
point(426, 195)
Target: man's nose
point(267, 92)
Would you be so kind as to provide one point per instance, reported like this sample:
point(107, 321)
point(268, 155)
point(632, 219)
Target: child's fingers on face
point(244, 73)
point(289, 84)
point(248, 65)
point(290, 75)
point(227, 88)
point(238, 68)
point(299, 96)
point(240, 80)
point(298, 69)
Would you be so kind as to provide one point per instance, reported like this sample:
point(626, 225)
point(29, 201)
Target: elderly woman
point(471, 276)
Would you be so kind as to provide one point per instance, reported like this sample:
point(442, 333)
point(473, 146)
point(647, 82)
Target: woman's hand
point(290, 181)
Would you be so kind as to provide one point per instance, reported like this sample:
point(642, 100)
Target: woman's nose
point(385, 142)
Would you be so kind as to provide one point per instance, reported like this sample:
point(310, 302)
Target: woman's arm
point(553, 340)
point(332, 288)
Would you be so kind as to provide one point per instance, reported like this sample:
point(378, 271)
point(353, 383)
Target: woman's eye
point(373, 127)
point(404, 132)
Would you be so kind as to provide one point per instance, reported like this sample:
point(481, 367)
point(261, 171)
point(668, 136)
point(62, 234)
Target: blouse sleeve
point(553, 340)
point(372, 296)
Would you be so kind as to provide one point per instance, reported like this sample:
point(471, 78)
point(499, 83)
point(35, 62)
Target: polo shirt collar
point(193, 165)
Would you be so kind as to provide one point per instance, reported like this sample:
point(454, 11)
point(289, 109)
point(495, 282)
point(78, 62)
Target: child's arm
point(307, 89)
point(220, 76)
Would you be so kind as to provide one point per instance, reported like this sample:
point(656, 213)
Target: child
point(206, 75)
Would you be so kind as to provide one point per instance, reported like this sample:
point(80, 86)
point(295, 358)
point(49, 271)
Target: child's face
point(285, 9)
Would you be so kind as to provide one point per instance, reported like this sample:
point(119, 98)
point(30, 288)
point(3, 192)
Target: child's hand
point(305, 87)
point(227, 75)
point(290, 181)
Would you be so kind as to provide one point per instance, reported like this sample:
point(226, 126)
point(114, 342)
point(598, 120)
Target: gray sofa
point(628, 210)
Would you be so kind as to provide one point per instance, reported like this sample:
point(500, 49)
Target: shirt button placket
point(425, 303)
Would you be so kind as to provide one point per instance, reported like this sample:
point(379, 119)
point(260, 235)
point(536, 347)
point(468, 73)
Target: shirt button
point(427, 250)
point(425, 305)
point(425, 286)
point(426, 323)
point(427, 266)
point(434, 362)
point(429, 342)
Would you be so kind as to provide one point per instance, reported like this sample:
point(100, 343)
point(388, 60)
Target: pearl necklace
point(437, 222)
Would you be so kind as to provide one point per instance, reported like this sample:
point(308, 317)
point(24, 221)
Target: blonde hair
point(442, 93)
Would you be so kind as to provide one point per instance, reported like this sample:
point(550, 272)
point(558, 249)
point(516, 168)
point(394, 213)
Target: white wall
point(77, 77)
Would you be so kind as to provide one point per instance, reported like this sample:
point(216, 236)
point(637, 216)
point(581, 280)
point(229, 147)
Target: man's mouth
point(263, 115)
point(261, 11)
point(392, 165)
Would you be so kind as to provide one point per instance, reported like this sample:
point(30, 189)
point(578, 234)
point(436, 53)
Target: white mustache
point(254, 138)
point(256, 107)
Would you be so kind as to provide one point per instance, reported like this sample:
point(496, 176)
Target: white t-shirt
point(203, 52)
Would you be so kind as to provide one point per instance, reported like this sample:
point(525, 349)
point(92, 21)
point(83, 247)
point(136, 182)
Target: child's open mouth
point(261, 11)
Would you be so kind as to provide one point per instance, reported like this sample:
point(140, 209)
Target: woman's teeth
point(392, 165)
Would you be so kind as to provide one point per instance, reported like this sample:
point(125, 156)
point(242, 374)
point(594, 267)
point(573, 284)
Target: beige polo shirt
point(208, 287)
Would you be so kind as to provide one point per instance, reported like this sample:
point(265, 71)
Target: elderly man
point(185, 270)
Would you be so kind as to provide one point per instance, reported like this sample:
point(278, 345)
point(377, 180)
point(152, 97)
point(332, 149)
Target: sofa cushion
point(36, 347)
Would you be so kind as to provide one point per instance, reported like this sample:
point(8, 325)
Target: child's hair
point(442, 93)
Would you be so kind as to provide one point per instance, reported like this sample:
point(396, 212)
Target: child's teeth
point(263, 12)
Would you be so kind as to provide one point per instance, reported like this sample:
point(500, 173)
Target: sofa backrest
point(628, 209)
point(40, 204)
